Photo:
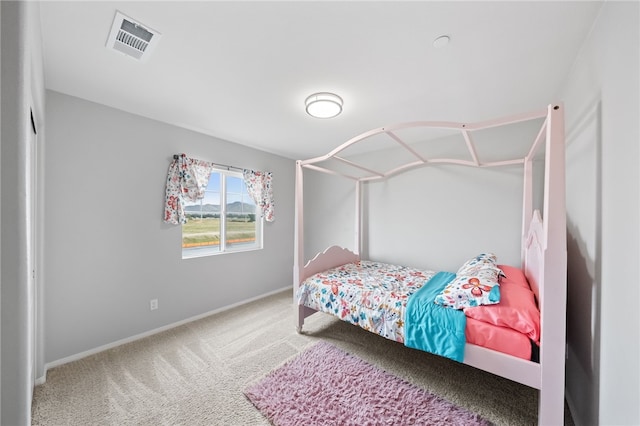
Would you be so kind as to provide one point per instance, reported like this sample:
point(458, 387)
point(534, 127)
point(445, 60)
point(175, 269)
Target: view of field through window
point(207, 232)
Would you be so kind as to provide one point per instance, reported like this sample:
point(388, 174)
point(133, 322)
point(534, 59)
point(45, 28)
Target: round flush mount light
point(441, 41)
point(323, 105)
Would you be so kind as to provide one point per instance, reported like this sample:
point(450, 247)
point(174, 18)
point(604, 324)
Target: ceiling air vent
point(131, 37)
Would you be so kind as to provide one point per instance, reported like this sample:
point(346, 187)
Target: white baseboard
point(71, 358)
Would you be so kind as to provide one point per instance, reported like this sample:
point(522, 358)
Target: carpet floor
point(195, 374)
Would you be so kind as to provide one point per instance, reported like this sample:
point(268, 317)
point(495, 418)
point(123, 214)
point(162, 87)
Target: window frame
point(224, 248)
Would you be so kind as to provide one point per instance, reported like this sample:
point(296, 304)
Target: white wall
point(439, 217)
point(602, 103)
point(22, 91)
point(108, 250)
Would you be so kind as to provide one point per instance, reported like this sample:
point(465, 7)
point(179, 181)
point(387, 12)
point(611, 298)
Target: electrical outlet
point(153, 304)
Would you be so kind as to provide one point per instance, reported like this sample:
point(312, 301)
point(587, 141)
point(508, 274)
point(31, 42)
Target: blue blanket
point(434, 328)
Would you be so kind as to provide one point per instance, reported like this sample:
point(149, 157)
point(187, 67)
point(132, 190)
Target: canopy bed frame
point(543, 244)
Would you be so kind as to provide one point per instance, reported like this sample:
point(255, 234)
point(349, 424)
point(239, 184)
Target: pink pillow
point(514, 276)
point(517, 308)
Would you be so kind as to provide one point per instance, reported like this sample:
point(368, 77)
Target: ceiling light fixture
point(323, 105)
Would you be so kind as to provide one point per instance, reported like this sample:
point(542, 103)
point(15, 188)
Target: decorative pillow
point(481, 261)
point(517, 308)
point(476, 284)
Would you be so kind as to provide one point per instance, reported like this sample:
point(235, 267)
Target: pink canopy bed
point(529, 311)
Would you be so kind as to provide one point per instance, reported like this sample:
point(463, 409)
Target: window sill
point(197, 252)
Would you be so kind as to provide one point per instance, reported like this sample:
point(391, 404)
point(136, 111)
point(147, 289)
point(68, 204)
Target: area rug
point(326, 386)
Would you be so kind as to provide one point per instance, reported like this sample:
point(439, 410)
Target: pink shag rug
point(327, 386)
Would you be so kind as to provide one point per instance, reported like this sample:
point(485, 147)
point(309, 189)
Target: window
point(225, 220)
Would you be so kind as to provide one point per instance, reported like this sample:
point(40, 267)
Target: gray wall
point(602, 103)
point(329, 203)
point(22, 91)
point(108, 251)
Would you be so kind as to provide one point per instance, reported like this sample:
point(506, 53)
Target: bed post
point(358, 224)
point(298, 252)
point(527, 206)
point(553, 297)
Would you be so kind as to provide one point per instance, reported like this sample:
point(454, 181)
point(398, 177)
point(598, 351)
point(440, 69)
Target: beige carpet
point(195, 374)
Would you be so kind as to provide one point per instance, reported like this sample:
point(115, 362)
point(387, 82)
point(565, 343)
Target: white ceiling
point(240, 71)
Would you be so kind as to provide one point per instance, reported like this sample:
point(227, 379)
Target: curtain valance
point(187, 180)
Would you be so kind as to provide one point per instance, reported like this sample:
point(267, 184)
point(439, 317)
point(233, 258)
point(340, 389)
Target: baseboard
point(76, 357)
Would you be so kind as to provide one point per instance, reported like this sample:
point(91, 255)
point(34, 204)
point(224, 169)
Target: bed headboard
point(331, 257)
point(533, 262)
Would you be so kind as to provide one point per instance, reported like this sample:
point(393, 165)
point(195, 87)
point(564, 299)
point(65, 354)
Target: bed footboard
point(333, 256)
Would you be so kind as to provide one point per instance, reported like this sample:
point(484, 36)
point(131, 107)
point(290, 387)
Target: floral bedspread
point(370, 294)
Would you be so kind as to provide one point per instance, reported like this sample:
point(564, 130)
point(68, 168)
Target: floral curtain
point(186, 181)
point(259, 188)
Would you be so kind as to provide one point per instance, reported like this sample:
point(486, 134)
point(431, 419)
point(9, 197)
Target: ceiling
point(240, 71)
